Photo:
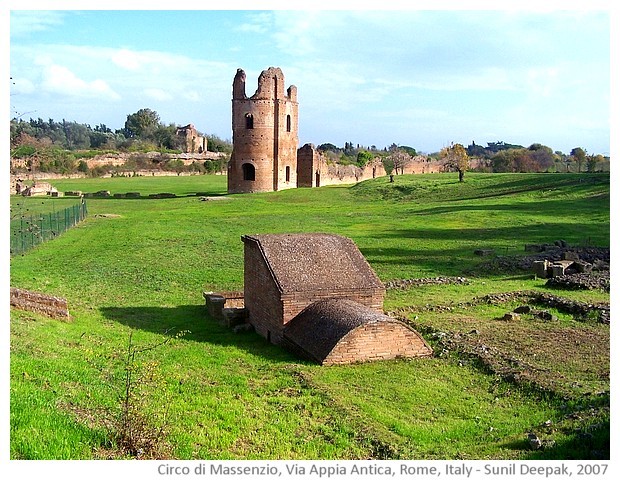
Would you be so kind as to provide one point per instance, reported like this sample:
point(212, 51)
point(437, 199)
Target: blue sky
point(423, 78)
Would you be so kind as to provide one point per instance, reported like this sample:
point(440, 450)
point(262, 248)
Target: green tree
point(456, 158)
point(504, 161)
point(216, 144)
point(410, 150)
point(76, 135)
point(593, 161)
point(363, 157)
point(143, 124)
point(166, 137)
point(579, 154)
point(542, 157)
point(328, 147)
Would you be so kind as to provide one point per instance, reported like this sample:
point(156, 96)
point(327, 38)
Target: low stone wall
point(119, 159)
point(54, 307)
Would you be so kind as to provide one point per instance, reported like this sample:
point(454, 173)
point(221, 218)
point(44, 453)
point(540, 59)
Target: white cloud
point(23, 86)
point(127, 59)
point(258, 23)
point(59, 79)
point(158, 94)
point(543, 81)
point(192, 96)
point(25, 22)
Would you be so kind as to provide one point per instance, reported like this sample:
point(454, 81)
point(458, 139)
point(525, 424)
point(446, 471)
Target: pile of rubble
point(565, 266)
point(582, 281)
point(580, 310)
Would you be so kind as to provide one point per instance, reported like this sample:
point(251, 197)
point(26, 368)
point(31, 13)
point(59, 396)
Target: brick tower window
point(288, 174)
point(249, 172)
point(288, 123)
point(249, 121)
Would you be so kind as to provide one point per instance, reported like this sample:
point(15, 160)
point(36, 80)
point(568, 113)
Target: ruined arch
point(249, 172)
point(249, 121)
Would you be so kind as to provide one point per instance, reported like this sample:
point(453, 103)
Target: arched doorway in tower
point(249, 172)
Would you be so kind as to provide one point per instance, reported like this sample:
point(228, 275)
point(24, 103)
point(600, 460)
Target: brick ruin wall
point(315, 170)
point(191, 141)
point(378, 341)
point(54, 307)
point(262, 294)
point(421, 164)
point(265, 137)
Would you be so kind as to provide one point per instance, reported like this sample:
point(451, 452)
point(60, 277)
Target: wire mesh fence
point(28, 231)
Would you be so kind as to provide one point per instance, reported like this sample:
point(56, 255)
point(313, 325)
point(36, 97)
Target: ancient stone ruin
point(36, 189)
point(51, 306)
point(265, 137)
point(265, 154)
point(191, 141)
point(317, 295)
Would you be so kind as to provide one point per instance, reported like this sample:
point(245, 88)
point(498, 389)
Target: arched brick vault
point(339, 331)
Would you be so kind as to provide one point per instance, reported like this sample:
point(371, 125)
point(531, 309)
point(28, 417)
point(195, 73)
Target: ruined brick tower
point(265, 135)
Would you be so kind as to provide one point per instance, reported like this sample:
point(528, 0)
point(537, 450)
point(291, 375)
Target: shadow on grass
point(543, 208)
point(578, 445)
point(198, 327)
point(160, 196)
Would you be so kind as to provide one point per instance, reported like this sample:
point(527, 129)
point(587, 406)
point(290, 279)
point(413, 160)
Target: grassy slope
point(141, 265)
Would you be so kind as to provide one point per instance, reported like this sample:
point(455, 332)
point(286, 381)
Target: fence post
point(21, 232)
point(31, 231)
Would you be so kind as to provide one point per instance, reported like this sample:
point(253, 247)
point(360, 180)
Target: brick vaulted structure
point(317, 294)
point(265, 135)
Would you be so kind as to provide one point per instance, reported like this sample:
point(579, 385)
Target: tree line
point(496, 157)
point(143, 131)
point(61, 146)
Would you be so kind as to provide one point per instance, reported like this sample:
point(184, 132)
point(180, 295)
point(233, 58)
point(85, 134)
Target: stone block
point(583, 267)
point(570, 255)
point(215, 305)
point(541, 268)
point(523, 309)
point(557, 270)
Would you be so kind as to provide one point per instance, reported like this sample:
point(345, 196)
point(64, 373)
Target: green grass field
point(139, 267)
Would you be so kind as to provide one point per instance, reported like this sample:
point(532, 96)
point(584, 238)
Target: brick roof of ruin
point(315, 262)
point(320, 326)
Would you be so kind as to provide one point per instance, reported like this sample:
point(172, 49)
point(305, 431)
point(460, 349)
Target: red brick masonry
point(54, 307)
